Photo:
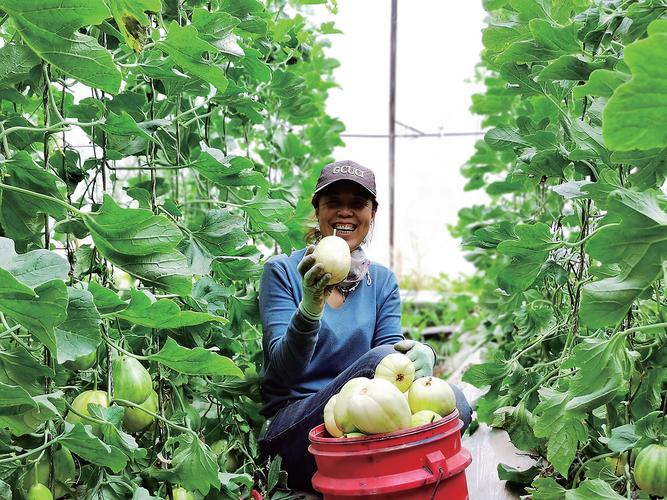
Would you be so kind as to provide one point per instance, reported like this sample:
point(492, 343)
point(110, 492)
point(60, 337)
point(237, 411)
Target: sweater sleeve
point(388, 324)
point(289, 337)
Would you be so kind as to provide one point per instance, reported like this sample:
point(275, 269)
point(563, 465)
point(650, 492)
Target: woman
point(316, 336)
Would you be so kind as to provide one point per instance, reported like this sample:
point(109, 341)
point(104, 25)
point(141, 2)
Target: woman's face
point(346, 207)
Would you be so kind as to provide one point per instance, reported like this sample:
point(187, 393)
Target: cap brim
point(374, 195)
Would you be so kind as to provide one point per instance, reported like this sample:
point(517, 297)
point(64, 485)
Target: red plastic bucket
point(425, 462)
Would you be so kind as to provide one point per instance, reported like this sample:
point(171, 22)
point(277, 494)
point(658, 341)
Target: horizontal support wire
point(413, 136)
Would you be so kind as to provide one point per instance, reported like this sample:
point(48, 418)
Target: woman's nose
point(345, 211)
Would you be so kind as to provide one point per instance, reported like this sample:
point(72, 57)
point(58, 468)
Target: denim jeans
point(287, 435)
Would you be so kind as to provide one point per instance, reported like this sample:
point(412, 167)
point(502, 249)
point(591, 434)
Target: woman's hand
point(422, 356)
point(315, 289)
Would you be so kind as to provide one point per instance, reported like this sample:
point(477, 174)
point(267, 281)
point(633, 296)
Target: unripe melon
point(329, 420)
point(431, 393)
point(334, 254)
point(341, 415)
point(650, 470)
point(135, 420)
point(354, 435)
point(423, 417)
point(81, 403)
point(131, 381)
point(379, 407)
point(398, 369)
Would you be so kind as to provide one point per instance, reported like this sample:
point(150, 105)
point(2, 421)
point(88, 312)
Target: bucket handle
point(437, 483)
point(437, 461)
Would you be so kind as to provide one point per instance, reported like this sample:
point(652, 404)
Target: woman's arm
point(289, 337)
point(388, 323)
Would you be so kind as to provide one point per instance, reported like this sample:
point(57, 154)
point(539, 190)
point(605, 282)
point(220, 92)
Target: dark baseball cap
point(347, 170)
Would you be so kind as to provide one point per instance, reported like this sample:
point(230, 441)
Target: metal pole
point(392, 127)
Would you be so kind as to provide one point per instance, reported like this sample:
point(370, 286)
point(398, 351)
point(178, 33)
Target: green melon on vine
point(131, 381)
point(135, 419)
point(80, 405)
point(64, 472)
point(650, 470)
point(39, 492)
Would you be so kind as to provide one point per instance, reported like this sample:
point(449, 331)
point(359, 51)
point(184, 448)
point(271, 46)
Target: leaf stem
point(584, 240)
point(106, 338)
point(43, 197)
point(31, 452)
point(5, 144)
point(219, 203)
point(542, 381)
point(11, 330)
point(56, 127)
point(84, 417)
point(191, 120)
point(642, 328)
point(537, 341)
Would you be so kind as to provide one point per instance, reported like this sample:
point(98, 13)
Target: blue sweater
point(303, 356)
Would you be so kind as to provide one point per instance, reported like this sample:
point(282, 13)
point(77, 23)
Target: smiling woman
point(318, 336)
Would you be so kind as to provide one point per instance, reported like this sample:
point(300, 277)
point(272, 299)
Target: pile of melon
point(392, 400)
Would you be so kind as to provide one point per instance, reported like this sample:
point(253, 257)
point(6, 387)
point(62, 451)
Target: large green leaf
point(167, 270)
point(563, 430)
point(16, 61)
point(255, 66)
point(266, 214)
point(601, 82)
point(79, 334)
point(500, 34)
point(217, 29)
point(38, 310)
point(19, 367)
point(501, 138)
point(20, 215)
point(636, 115)
point(33, 268)
point(80, 441)
point(527, 254)
point(106, 301)
point(162, 313)
point(561, 39)
point(131, 231)
point(593, 488)
point(14, 395)
point(193, 465)
point(634, 237)
point(113, 436)
point(124, 137)
point(220, 235)
point(244, 265)
point(142, 244)
point(185, 47)
point(228, 170)
point(51, 30)
point(569, 67)
point(197, 361)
